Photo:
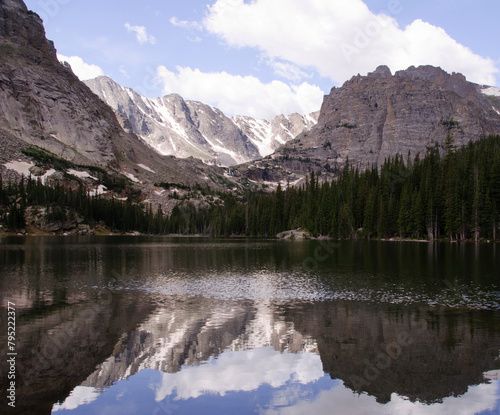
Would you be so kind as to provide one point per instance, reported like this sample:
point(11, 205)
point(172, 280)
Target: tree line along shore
point(449, 193)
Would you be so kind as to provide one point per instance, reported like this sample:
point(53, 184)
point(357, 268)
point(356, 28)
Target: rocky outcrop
point(22, 27)
point(64, 222)
point(174, 126)
point(296, 234)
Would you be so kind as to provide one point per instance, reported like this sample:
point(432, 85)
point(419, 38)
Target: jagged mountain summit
point(182, 128)
point(373, 117)
point(268, 136)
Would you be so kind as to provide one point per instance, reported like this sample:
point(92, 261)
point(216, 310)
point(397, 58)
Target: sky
point(263, 58)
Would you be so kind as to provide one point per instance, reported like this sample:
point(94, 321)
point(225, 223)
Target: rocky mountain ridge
point(182, 128)
point(373, 117)
point(46, 109)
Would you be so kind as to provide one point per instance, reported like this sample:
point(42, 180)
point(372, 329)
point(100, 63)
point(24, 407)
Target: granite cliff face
point(23, 27)
point(373, 117)
point(43, 104)
point(174, 126)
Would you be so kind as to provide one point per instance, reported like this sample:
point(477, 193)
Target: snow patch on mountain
point(132, 177)
point(490, 90)
point(142, 166)
point(99, 190)
point(259, 132)
point(23, 168)
point(270, 135)
point(20, 167)
point(81, 174)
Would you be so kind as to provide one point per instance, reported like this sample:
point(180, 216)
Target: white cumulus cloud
point(81, 69)
point(141, 34)
point(341, 38)
point(241, 95)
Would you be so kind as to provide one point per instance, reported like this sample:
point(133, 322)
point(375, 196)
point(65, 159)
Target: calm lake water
point(152, 325)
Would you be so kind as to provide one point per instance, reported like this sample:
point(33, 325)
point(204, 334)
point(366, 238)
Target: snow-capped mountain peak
point(184, 129)
point(269, 135)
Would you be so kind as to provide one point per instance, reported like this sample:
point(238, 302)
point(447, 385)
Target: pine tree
point(404, 212)
point(345, 228)
point(477, 205)
point(450, 194)
point(369, 214)
point(415, 222)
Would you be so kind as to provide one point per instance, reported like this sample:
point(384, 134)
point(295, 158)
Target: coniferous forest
point(455, 196)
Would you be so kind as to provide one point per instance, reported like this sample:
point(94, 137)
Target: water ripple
point(285, 287)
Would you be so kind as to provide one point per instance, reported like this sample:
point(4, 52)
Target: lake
point(157, 325)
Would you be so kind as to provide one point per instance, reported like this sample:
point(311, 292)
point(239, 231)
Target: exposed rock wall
point(23, 27)
point(372, 118)
point(42, 102)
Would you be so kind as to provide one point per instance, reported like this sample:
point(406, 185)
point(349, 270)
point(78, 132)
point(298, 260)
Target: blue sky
point(265, 57)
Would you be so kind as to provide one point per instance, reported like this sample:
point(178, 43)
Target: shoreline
point(32, 231)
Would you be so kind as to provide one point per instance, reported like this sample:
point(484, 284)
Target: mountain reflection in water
point(204, 327)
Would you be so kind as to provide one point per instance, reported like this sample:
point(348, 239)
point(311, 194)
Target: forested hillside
point(455, 196)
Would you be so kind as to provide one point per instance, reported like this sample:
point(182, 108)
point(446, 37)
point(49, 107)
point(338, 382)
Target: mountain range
point(367, 120)
point(147, 141)
point(46, 108)
point(174, 126)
